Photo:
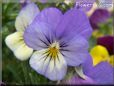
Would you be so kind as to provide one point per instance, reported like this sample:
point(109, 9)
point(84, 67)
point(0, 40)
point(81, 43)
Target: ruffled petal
point(101, 73)
point(16, 43)
point(26, 16)
point(87, 65)
point(99, 54)
point(75, 51)
point(50, 16)
point(14, 40)
point(38, 35)
point(74, 22)
point(23, 52)
point(53, 69)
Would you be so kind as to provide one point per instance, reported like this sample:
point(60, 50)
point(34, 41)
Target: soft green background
point(18, 72)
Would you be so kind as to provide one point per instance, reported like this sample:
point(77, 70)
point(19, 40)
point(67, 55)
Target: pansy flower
point(101, 4)
point(15, 41)
point(108, 42)
point(59, 40)
point(101, 74)
point(99, 54)
point(103, 51)
point(99, 16)
point(75, 79)
point(98, 69)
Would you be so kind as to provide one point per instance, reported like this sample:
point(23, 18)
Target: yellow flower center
point(53, 50)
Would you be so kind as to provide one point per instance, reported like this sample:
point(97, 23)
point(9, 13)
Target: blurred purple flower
point(99, 16)
point(84, 5)
point(60, 40)
point(108, 42)
point(101, 73)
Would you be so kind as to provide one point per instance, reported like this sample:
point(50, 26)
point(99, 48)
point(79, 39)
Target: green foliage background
point(18, 72)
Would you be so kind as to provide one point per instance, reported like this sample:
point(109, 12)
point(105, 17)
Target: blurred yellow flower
point(99, 54)
point(111, 60)
point(97, 34)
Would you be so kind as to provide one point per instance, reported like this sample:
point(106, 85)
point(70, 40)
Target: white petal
point(14, 40)
point(23, 52)
point(26, 16)
point(16, 43)
point(50, 68)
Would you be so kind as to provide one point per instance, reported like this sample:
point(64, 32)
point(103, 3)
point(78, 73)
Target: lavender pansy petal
point(75, 51)
point(84, 5)
point(50, 16)
point(26, 16)
point(108, 42)
point(88, 64)
point(74, 22)
point(54, 69)
point(38, 35)
point(77, 80)
point(101, 73)
point(99, 16)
